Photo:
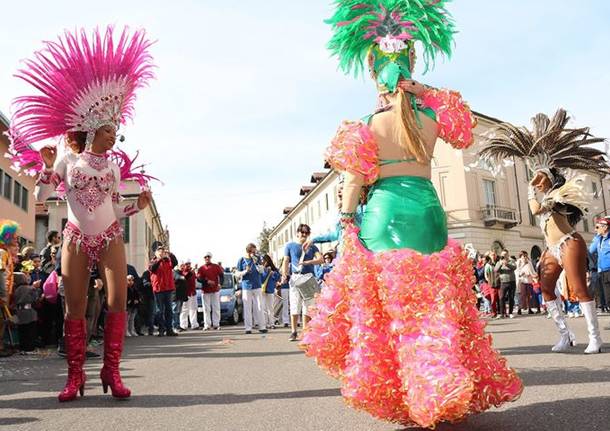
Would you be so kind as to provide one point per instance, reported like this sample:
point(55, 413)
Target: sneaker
point(262, 331)
point(181, 329)
point(172, 334)
point(198, 328)
point(519, 312)
point(216, 328)
point(248, 332)
point(498, 317)
point(293, 337)
point(511, 316)
point(570, 314)
point(286, 325)
point(160, 334)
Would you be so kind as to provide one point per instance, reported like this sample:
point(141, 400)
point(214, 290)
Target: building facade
point(16, 192)
point(484, 211)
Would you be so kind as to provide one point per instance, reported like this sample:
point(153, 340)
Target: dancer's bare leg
point(75, 277)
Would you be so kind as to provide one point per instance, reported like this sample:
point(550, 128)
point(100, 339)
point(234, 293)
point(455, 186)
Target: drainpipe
point(518, 194)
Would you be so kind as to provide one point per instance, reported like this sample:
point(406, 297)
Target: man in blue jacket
point(601, 247)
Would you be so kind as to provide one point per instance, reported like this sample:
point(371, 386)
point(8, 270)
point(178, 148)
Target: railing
point(492, 214)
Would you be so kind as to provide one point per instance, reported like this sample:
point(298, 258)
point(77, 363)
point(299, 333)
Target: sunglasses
point(305, 232)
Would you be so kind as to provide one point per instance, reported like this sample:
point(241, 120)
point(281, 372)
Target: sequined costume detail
point(90, 184)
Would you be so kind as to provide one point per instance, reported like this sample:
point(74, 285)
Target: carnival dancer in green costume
point(397, 323)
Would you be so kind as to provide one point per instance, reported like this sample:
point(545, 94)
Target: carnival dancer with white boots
point(549, 150)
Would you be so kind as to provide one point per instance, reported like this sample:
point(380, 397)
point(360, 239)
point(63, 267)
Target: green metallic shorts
point(404, 212)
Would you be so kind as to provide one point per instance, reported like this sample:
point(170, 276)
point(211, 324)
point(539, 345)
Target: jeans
point(176, 309)
point(507, 292)
point(164, 302)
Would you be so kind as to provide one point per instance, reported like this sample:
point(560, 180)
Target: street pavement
point(227, 380)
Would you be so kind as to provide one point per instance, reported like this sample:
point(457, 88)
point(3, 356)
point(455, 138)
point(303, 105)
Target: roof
point(305, 190)
point(316, 177)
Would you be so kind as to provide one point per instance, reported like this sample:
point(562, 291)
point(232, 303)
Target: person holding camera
point(162, 280)
point(506, 271)
point(249, 270)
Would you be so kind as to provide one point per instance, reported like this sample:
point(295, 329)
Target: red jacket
point(162, 275)
point(191, 287)
point(211, 276)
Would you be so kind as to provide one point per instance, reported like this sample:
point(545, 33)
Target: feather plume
point(550, 144)
point(83, 83)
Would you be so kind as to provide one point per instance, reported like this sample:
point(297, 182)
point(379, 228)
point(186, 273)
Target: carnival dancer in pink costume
point(87, 88)
point(397, 323)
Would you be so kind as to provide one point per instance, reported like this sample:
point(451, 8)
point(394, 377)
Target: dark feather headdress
point(549, 145)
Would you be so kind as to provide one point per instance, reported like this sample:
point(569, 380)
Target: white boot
point(595, 339)
point(567, 337)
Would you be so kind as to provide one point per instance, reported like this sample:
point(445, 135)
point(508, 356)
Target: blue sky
point(247, 97)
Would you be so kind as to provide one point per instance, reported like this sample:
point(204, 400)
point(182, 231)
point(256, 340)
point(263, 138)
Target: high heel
point(75, 340)
point(595, 339)
point(114, 332)
point(567, 337)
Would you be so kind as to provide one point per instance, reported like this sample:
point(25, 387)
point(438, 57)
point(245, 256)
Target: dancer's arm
point(351, 194)
point(49, 179)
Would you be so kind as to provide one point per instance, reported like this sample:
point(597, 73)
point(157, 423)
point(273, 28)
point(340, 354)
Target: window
point(585, 224)
point(532, 218)
point(319, 209)
point(24, 199)
point(16, 193)
point(7, 186)
point(594, 189)
point(327, 207)
point(125, 223)
point(443, 184)
point(489, 188)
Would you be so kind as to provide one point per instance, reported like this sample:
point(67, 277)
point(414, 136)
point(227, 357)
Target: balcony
point(492, 215)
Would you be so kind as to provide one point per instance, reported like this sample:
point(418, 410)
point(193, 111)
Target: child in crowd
point(538, 293)
point(133, 302)
point(25, 297)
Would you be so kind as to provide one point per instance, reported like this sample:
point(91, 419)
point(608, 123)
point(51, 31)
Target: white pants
point(270, 318)
point(297, 304)
point(285, 306)
point(253, 304)
point(211, 310)
point(189, 311)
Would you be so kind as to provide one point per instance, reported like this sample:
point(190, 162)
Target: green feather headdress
point(388, 29)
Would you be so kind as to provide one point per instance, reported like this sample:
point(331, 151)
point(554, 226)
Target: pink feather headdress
point(86, 83)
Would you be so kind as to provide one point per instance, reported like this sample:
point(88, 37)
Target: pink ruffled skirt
point(400, 330)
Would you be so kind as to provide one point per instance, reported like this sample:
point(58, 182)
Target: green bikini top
point(385, 162)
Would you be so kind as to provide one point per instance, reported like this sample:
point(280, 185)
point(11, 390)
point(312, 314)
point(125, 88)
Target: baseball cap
point(603, 220)
point(208, 254)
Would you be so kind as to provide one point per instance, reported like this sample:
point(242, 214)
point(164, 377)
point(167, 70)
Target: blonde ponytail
point(409, 133)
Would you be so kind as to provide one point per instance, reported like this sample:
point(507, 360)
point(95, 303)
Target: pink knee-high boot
point(75, 336)
point(114, 333)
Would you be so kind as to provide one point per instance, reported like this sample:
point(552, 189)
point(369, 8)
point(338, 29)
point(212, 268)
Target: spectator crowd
point(163, 300)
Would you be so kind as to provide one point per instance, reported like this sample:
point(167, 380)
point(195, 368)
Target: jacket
point(601, 246)
point(162, 275)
